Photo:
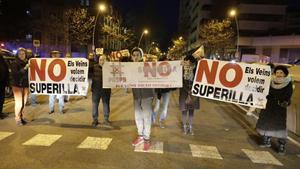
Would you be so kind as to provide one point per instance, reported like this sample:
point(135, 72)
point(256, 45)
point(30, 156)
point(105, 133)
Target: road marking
point(3, 135)
point(156, 147)
point(95, 143)
point(263, 157)
point(205, 151)
point(42, 140)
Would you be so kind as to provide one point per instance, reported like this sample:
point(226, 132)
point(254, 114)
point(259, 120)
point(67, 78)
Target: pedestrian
point(20, 84)
point(98, 92)
point(4, 79)
point(92, 63)
point(163, 97)
point(187, 102)
point(143, 98)
point(33, 100)
point(272, 119)
point(60, 97)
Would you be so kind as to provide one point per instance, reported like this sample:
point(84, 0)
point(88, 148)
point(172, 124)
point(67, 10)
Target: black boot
point(281, 148)
point(266, 142)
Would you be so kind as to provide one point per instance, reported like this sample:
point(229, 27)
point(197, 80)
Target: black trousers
point(2, 96)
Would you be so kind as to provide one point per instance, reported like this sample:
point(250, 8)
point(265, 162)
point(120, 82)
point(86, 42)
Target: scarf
point(188, 72)
point(279, 83)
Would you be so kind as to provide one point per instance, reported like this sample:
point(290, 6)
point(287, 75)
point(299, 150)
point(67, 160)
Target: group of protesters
point(272, 121)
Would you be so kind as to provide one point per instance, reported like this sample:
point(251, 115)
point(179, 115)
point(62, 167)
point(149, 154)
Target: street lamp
point(233, 13)
point(102, 9)
point(144, 32)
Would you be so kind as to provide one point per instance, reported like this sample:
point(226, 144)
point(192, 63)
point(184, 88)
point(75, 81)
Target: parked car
point(9, 57)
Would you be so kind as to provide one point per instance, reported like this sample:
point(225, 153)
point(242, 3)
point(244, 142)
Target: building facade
point(257, 20)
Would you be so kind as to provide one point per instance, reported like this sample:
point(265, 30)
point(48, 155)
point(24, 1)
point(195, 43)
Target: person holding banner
point(52, 98)
point(32, 97)
point(4, 81)
point(187, 102)
point(163, 95)
point(20, 85)
point(143, 98)
point(98, 92)
point(272, 119)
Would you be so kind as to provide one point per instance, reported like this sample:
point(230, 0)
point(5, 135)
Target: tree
point(178, 49)
point(217, 36)
point(80, 25)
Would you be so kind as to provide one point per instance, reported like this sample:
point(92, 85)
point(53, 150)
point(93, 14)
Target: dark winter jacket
point(143, 93)
point(4, 73)
point(160, 91)
point(274, 116)
point(19, 74)
point(97, 80)
point(92, 63)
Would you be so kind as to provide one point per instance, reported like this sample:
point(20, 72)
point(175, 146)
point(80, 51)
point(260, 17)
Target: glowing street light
point(233, 13)
point(102, 9)
point(144, 32)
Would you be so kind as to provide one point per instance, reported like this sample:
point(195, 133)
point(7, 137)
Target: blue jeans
point(33, 99)
point(61, 102)
point(143, 111)
point(96, 96)
point(165, 98)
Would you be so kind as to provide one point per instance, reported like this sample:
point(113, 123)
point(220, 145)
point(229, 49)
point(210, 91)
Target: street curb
point(256, 117)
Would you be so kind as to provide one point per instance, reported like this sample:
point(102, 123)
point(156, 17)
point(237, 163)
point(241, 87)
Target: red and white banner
point(52, 76)
point(244, 84)
point(167, 74)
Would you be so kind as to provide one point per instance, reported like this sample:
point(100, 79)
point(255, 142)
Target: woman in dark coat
point(272, 120)
point(187, 102)
point(20, 85)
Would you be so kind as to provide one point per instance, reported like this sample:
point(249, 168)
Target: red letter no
point(62, 73)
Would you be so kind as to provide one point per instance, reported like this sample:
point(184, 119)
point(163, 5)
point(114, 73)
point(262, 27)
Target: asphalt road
point(224, 139)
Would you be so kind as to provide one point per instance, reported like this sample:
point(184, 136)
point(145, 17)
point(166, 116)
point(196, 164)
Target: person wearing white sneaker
point(143, 98)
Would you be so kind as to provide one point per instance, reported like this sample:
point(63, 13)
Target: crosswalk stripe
point(95, 143)
point(42, 140)
point(205, 151)
point(3, 135)
point(263, 157)
point(156, 147)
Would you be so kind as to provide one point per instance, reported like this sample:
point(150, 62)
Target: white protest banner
point(199, 52)
point(167, 74)
point(241, 83)
point(51, 76)
point(125, 53)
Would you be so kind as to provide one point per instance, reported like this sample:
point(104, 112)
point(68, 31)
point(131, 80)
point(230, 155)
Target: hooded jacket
point(19, 74)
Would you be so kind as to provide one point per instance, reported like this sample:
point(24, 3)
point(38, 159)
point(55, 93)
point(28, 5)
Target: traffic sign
point(36, 43)
point(99, 51)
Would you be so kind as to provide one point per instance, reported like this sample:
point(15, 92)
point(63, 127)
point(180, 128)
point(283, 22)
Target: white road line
point(3, 135)
point(42, 140)
point(205, 151)
point(95, 143)
point(262, 157)
point(156, 147)
point(256, 117)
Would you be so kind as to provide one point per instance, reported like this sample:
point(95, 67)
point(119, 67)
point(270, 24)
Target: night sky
point(159, 16)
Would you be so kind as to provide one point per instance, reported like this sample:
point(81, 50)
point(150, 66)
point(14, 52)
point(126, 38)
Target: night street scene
point(149, 84)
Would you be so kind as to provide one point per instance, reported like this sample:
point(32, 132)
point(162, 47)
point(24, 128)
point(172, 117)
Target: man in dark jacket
point(3, 83)
point(143, 98)
point(98, 92)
